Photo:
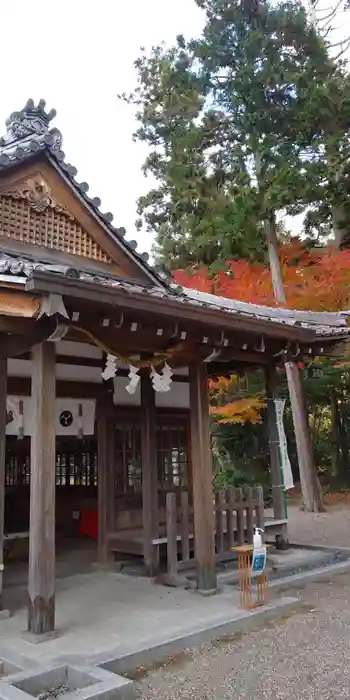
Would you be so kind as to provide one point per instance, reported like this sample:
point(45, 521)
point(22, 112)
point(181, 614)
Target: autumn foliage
point(317, 279)
point(239, 411)
point(227, 409)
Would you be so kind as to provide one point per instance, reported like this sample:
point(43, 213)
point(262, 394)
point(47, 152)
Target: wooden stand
point(244, 553)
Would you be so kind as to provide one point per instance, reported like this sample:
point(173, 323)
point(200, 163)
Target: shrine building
point(104, 367)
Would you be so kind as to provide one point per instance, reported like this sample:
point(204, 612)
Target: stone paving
point(104, 611)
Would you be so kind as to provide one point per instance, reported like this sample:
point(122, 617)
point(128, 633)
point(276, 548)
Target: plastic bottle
point(257, 541)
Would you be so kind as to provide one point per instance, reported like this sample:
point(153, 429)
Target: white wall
point(177, 397)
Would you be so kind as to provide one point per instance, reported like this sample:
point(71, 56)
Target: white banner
point(285, 462)
point(73, 416)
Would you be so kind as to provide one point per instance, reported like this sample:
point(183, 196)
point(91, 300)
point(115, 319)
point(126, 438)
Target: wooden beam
point(64, 389)
point(15, 303)
point(278, 492)
point(3, 379)
point(41, 583)
point(202, 479)
point(105, 478)
point(13, 344)
point(149, 474)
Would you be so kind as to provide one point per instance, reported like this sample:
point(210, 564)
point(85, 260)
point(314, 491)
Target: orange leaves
point(219, 388)
point(239, 411)
point(318, 280)
point(226, 408)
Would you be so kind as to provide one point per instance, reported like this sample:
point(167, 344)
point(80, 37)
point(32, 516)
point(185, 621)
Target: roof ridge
point(29, 133)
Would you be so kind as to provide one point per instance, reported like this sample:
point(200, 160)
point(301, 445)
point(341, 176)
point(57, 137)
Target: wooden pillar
point(150, 515)
point(202, 475)
point(3, 393)
point(41, 583)
point(105, 478)
point(278, 493)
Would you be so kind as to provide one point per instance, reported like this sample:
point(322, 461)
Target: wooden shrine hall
point(104, 368)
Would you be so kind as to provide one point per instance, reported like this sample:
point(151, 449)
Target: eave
point(162, 304)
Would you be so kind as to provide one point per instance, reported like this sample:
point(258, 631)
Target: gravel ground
point(330, 528)
point(305, 656)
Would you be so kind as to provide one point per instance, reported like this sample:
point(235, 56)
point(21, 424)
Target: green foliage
point(241, 124)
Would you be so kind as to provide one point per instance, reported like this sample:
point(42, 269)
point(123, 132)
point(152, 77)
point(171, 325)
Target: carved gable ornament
point(38, 194)
point(31, 214)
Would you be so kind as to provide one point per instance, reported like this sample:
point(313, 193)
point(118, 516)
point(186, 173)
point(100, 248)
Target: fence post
point(230, 498)
point(250, 514)
point(185, 527)
point(239, 516)
point(219, 522)
point(171, 532)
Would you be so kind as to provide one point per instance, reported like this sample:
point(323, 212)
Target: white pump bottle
point(257, 540)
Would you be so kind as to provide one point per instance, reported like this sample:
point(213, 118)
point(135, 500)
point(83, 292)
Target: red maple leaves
point(317, 279)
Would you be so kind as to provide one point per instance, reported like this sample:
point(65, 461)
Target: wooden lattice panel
point(50, 228)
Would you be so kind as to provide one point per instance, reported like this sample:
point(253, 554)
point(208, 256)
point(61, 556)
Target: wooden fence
point(237, 512)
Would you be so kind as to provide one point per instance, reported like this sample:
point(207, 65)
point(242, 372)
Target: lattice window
point(172, 457)
point(50, 228)
point(17, 464)
point(128, 458)
point(76, 462)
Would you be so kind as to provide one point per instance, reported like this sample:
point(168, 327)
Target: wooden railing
point(237, 512)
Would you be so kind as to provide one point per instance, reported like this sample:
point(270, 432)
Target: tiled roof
point(28, 134)
point(322, 324)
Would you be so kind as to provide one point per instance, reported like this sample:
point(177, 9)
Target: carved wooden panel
point(30, 214)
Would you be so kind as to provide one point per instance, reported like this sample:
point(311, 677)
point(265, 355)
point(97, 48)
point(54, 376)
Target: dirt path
point(330, 528)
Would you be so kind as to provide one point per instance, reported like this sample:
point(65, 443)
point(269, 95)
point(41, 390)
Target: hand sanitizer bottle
point(257, 541)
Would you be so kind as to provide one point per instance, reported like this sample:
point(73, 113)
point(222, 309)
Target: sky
point(78, 55)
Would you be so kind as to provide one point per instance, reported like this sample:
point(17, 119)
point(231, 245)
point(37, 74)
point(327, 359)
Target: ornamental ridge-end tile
point(31, 122)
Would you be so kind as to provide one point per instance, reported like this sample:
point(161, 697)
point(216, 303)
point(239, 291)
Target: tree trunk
point(335, 431)
point(310, 486)
point(343, 442)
